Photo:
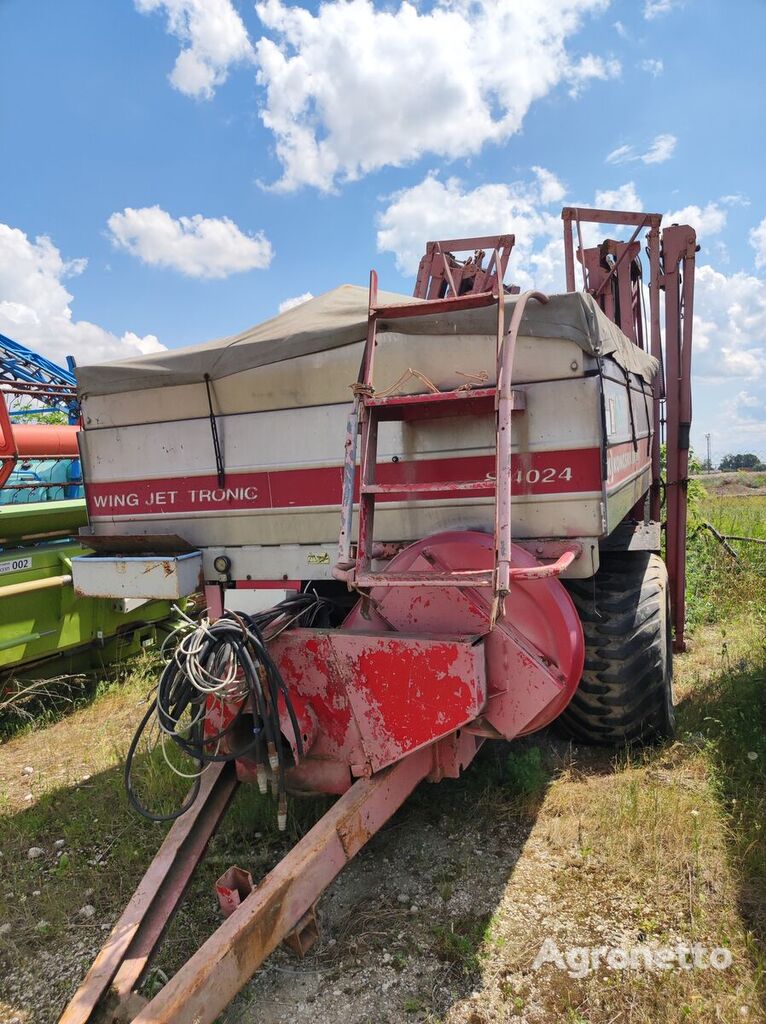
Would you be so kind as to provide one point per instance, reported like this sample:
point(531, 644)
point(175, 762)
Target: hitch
point(280, 908)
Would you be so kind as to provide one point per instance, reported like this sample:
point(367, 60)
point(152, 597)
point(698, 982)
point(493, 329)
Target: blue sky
point(174, 170)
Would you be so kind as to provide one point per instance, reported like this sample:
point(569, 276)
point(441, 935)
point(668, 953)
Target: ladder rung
point(427, 307)
point(443, 403)
point(434, 487)
point(430, 397)
point(425, 579)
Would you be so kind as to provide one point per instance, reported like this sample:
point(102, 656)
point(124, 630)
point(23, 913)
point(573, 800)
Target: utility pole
point(709, 463)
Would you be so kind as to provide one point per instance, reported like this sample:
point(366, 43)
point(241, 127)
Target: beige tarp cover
point(339, 318)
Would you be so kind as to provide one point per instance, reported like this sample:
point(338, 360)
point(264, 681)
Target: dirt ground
point(441, 916)
point(733, 484)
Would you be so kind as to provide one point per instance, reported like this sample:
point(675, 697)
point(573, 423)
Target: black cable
point(219, 463)
point(238, 640)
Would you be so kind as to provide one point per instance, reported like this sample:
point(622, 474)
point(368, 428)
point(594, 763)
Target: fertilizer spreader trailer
point(501, 509)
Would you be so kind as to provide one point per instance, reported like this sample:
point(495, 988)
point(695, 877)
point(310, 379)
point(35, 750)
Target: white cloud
point(437, 209)
point(736, 199)
point(656, 8)
point(352, 88)
point(621, 155)
point(214, 38)
point(729, 325)
point(706, 220)
point(550, 189)
point(297, 300)
point(746, 400)
point(660, 149)
point(653, 66)
point(589, 68)
point(149, 343)
point(758, 241)
point(35, 305)
point(623, 198)
point(196, 246)
point(737, 423)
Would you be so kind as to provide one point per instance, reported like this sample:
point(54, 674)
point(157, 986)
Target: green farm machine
point(46, 628)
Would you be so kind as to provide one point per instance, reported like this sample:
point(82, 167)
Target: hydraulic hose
point(226, 662)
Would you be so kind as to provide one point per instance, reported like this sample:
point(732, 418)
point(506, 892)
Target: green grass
point(526, 775)
point(727, 713)
point(718, 586)
point(744, 515)
point(461, 942)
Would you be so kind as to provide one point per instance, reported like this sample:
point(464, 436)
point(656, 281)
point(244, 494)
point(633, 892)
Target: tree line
point(741, 461)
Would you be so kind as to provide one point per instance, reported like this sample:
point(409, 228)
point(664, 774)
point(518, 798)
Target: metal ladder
point(369, 410)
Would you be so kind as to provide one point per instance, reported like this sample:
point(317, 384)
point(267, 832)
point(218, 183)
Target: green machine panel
point(40, 614)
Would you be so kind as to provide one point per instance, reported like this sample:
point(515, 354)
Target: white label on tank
point(15, 565)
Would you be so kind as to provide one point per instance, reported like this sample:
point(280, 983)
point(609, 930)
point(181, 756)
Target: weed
point(525, 773)
point(719, 586)
point(461, 942)
point(729, 713)
point(413, 1005)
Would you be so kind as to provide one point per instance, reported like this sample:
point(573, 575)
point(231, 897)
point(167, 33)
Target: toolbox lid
point(339, 318)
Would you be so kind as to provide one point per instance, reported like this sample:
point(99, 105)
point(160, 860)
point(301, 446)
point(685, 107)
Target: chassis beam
point(123, 961)
point(208, 982)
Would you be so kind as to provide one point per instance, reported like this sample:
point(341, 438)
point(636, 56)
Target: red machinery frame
point(369, 409)
point(611, 273)
point(32, 440)
point(441, 275)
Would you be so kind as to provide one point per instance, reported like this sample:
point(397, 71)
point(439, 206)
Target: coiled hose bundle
point(225, 662)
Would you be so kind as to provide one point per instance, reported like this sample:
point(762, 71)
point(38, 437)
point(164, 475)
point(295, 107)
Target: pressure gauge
point(222, 564)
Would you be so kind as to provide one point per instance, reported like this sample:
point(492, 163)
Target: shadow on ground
point(403, 926)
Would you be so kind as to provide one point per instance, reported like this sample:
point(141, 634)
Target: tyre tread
point(623, 696)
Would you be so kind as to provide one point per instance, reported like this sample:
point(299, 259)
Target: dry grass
point(651, 848)
point(74, 796)
point(586, 847)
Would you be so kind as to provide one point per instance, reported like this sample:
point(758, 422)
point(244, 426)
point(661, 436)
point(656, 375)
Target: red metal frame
point(441, 275)
point(370, 409)
point(679, 247)
point(207, 983)
point(534, 650)
point(32, 441)
point(611, 273)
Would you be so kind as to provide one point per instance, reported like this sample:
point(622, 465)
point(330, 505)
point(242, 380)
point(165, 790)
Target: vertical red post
point(568, 250)
point(655, 347)
point(679, 246)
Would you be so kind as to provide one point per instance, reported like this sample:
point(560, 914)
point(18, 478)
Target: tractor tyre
point(625, 695)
